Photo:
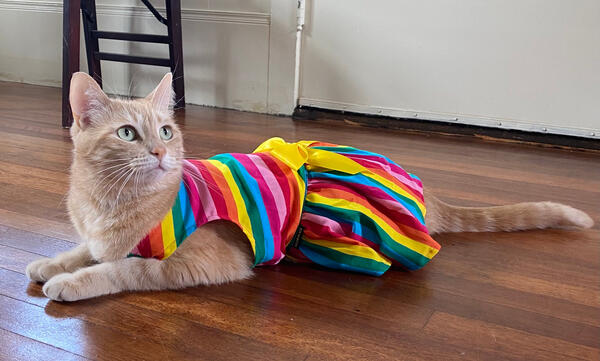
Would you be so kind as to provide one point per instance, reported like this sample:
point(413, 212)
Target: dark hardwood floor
point(492, 296)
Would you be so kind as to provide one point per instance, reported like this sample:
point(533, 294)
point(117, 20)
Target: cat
point(126, 172)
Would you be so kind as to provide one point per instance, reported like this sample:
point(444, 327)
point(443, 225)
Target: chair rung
point(146, 38)
point(132, 59)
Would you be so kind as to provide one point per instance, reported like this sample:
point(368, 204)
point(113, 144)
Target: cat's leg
point(189, 266)
point(43, 269)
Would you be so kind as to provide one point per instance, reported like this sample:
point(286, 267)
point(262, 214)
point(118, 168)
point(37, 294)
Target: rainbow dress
point(337, 206)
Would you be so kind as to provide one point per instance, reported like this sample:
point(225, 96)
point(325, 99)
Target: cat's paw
point(43, 269)
point(62, 287)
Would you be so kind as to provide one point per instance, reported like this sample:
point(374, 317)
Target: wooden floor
point(498, 296)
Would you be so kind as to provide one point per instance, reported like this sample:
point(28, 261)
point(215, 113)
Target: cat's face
point(130, 145)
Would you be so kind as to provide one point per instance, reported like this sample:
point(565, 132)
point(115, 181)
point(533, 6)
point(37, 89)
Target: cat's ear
point(87, 99)
point(162, 97)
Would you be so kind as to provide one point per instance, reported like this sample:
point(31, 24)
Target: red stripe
point(269, 202)
point(318, 231)
point(400, 214)
point(379, 169)
point(144, 247)
point(289, 188)
point(395, 220)
point(223, 198)
point(193, 195)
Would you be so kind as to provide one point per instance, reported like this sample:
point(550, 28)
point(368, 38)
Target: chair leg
point(90, 23)
point(176, 49)
point(70, 55)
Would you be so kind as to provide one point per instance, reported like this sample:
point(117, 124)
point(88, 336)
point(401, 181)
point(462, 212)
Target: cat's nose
point(158, 152)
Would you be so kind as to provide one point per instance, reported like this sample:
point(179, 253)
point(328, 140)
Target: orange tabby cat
point(121, 189)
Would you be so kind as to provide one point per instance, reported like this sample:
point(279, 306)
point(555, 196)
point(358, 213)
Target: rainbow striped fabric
point(336, 206)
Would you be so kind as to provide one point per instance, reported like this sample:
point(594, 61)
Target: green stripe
point(411, 205)
point(178, 225)
point(352, 216)
point(337, 257)
point(255, 222)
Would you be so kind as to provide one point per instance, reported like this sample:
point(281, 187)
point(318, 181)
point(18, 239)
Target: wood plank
point(45, 227)
point(18, 348)
point(480, 336)
point(112, 327)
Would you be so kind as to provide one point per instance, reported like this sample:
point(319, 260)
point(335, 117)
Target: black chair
point(94, 55)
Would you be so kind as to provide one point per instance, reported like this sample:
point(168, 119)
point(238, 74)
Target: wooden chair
point(94, 55)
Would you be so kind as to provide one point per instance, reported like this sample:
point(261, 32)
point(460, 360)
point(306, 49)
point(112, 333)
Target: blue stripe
point(189, 219)
point(350, 150)
point(367, 228)
point(342, 178)
point(249, 185)
point(357, 227)
point(386, 250)
point(326, 262)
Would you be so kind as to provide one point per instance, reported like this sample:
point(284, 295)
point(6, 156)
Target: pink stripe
point(324, 221)
point(267, 197)
point(190, 172)
point(400, 216)
point(370, 161)
point(208, 205)
point(326, 233)
point(274, 188)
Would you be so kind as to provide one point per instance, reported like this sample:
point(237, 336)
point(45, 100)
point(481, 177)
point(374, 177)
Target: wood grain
point(531, 295)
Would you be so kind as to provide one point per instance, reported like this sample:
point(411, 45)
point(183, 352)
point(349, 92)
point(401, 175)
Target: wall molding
point(234, 17)
point(489, 122)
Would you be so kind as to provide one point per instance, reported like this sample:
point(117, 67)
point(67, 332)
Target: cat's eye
point(166, 133)
point(127, 133)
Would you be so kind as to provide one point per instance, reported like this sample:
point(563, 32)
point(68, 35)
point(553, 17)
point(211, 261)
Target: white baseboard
point(238, 17)
point(489, 122)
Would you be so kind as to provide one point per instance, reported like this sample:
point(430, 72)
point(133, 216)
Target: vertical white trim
point(300, 15)
point(280, 97)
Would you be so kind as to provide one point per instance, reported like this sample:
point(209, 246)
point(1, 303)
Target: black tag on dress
point(295, 242)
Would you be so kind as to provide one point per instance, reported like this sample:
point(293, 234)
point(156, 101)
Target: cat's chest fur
point(113, 230)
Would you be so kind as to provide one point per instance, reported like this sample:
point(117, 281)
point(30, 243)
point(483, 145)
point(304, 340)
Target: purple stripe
point(274, 188)
point(207, 211)
point(393, 169)
point(375, 196)
point(247, 161)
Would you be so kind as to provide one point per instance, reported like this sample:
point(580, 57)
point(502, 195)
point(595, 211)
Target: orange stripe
point(225, 191)
point(391, 178)
point(156, 242)
point(400, 228)
point(322, 144)
point(294, 215)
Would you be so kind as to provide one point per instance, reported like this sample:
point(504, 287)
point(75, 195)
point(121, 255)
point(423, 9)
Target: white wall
point(524, 64)
point(227, 48)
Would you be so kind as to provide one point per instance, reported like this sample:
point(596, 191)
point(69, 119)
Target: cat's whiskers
point(114, 183)
point(210, 186)
point(120, 173)
point(131, 173)
point(113, 172)
point(103, 186)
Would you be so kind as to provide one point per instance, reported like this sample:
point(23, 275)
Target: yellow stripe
point(168, 235)
point(393, 186)
point(325, 159)
point(350, 249)
point(243, 217)
point(410, 243)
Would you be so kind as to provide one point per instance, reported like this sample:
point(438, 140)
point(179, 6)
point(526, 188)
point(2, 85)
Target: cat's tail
point(443, 217)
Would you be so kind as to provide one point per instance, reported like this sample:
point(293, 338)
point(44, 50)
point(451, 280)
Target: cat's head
point(129, 145)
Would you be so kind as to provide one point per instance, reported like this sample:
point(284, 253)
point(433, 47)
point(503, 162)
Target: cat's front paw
point(43, 269)
point(63, 287)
